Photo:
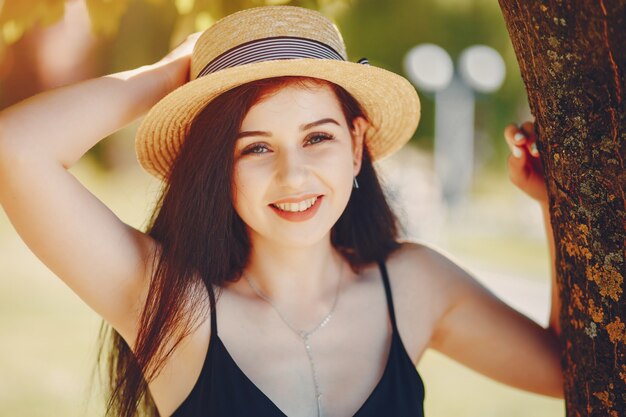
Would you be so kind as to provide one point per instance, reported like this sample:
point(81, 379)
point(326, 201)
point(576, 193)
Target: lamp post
point(480, 70)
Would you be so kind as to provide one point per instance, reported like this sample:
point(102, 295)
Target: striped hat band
point(269, 49)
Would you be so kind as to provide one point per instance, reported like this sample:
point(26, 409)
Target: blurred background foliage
point(124, 34)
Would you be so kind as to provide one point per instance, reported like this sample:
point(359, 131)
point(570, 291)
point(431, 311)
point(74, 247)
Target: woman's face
point(295, 159)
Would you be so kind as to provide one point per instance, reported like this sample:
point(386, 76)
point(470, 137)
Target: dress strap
point(383, 270)
point(213, 312)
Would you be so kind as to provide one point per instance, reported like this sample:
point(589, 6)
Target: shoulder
point(422, 278)
point(418, 262)
point(421, 270)
point(465, 318)
point(431, 268)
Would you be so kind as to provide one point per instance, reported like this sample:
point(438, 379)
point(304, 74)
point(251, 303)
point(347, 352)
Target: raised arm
point(478, 329)
point(525, 171)
point(73, 233)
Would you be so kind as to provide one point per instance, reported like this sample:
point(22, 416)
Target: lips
point(297, 211)
point(296, 207)
point(296, 199)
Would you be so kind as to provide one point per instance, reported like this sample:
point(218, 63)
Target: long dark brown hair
point(204, 242)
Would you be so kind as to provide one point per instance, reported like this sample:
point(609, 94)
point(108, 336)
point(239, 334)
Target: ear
point(358, 136)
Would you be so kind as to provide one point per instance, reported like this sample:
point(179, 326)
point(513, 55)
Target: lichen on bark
point(573, 63)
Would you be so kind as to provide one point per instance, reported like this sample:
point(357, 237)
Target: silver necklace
point(304, 335)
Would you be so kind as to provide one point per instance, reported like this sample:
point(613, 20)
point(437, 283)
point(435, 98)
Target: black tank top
point(223, 390)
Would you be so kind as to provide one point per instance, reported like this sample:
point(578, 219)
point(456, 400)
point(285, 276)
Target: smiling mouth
point(296, 207)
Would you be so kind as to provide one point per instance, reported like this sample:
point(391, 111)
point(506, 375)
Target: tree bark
point(572, 57)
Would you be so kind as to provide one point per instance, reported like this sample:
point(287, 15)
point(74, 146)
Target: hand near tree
point(524, 164)
point(526, 172)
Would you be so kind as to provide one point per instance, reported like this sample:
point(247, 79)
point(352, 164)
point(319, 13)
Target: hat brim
point(389, 100)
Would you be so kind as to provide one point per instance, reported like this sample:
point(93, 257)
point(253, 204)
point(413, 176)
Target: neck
point(293, 274)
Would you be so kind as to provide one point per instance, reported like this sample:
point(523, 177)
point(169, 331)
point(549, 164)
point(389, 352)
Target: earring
point(355, 183)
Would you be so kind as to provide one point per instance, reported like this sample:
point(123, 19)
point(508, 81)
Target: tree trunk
point(572, 57)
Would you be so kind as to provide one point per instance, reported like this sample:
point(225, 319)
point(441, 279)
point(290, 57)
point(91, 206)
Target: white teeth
point(296, 207)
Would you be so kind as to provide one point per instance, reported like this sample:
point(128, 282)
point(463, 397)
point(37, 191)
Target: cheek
point(338, 157)
point(248, 185)
point(337, 172)
point(339, 165)
point(241, 187)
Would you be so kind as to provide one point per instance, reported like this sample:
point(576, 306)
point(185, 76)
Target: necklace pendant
point(304, 335)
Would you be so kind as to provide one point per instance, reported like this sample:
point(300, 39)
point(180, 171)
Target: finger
point(531, 143)
point(532, 148)
point(521, 163)
point(194, 36)
point(513, 134)
point(511, 129)
point(525, 134)
point(515, 139)
point(528, 128)
point(519, 157)
point(517, 170)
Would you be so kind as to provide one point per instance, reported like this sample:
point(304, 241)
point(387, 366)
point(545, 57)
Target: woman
point(264, 138)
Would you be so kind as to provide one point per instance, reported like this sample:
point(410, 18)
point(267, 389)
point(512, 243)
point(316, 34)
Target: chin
point(290, 237)
point(299, 240)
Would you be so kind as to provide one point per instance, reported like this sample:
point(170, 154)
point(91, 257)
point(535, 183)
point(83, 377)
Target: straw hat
point(271, 41)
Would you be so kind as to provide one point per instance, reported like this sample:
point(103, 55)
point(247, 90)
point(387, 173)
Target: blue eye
point(256, 148)
point(261, 148)
point(319, 137)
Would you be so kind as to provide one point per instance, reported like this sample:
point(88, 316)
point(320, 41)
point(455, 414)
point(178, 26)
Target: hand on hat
point(184, 49)
point(178, 59)
point(524, 164)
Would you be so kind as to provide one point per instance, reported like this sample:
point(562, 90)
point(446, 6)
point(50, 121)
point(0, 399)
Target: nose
point(291, 170)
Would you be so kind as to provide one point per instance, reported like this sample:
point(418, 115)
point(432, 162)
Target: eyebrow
point(302, 128)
